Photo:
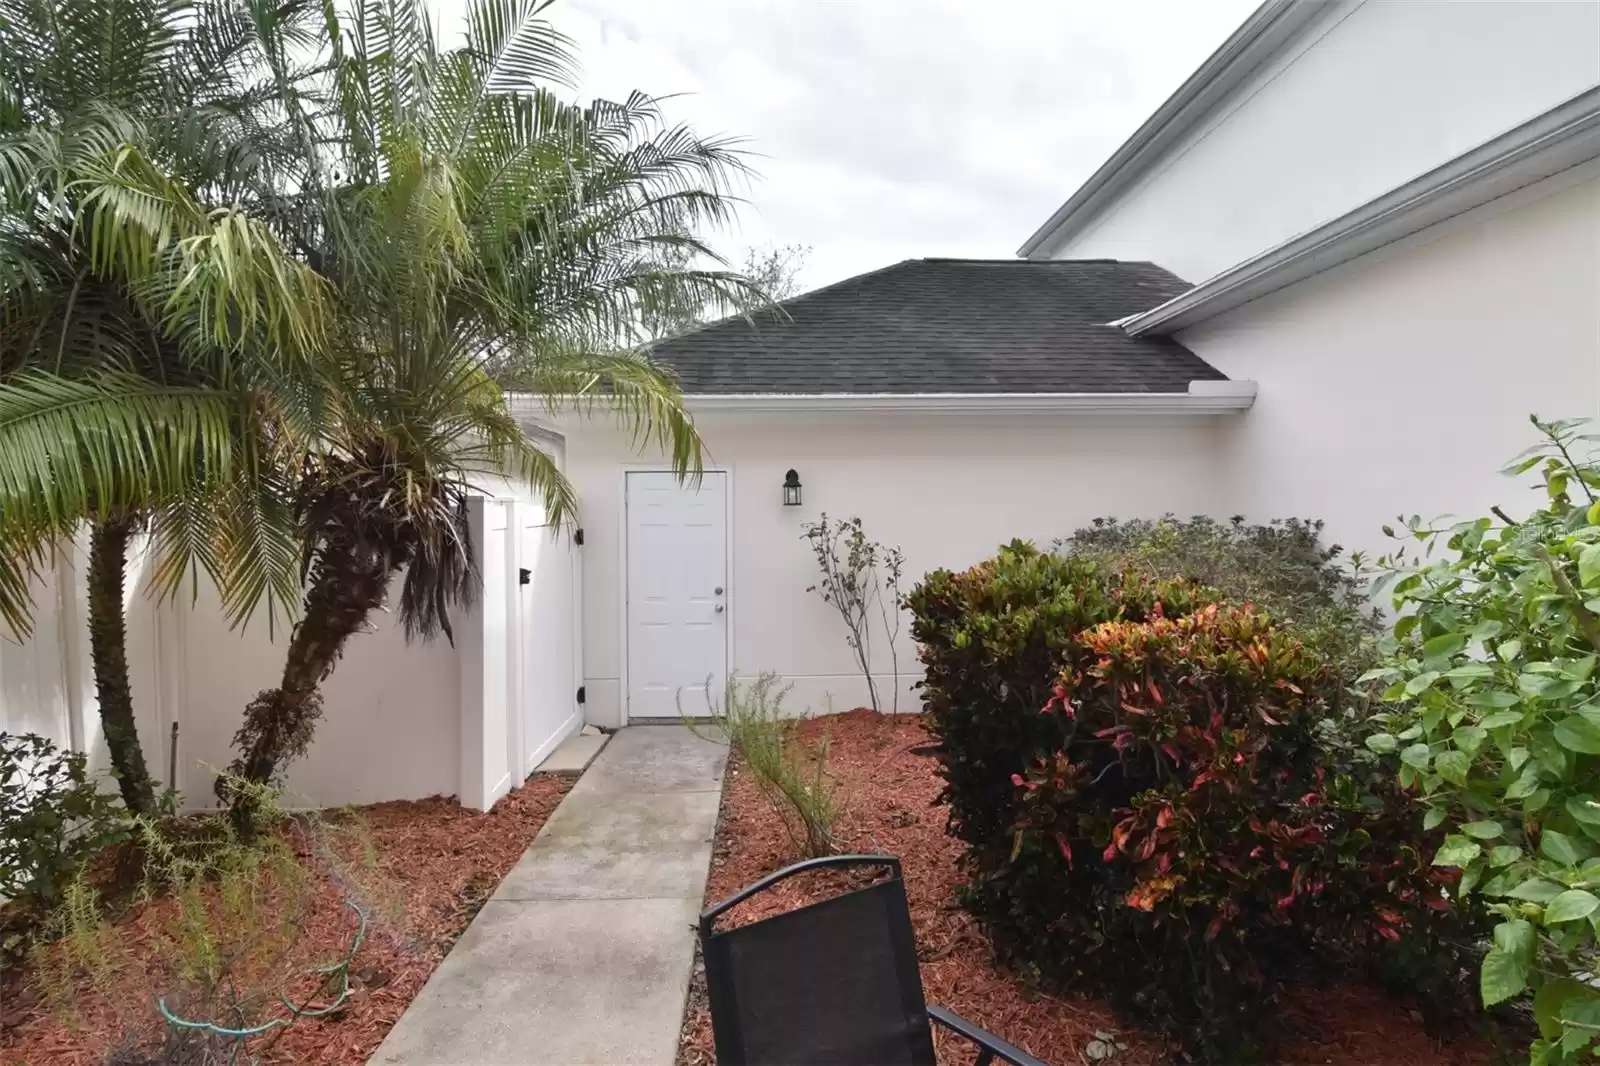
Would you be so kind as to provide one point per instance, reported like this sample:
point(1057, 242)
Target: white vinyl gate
point(523, 636)
point(549, 641)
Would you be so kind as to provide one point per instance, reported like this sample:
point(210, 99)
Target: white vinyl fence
point(401, 721)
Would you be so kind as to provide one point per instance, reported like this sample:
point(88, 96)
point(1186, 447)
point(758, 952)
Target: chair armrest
point(992, 1045)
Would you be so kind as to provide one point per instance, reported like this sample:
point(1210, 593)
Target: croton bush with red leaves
point(1160, 805)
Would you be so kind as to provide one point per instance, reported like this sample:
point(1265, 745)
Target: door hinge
point(582, 696)
point(524, 575)
point(577, 538)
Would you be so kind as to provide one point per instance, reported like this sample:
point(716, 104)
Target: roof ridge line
point(748, 317)
point(1016, 261)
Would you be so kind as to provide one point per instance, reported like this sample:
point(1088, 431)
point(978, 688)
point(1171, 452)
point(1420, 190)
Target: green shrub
point(1496, 719)
point(1199, 815)
point(1282, 567)
point(791, 775)
point(992, 640)
point(52, 816)
point(1158, 797)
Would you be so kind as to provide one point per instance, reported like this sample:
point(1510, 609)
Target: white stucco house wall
point(951, 405)
point(1392, 214)
point(1377, 232)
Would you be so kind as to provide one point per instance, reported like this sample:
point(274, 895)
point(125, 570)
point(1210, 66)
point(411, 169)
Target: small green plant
point(793, 777)
point(225, 915)
point(1496, 722)
point(860, 580)
point(236, 899)
point(74, 943)
point(53, 816)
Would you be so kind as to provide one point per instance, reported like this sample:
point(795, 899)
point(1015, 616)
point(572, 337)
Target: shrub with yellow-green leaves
point(1496, 722)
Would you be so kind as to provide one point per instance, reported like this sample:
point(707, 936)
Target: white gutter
point(1561, 138)
point(1202, 398)
point(1268, 29)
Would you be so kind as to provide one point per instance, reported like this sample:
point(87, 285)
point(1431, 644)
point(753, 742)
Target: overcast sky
point(890, 129)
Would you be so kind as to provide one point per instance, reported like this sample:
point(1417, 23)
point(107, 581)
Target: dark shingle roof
point(952, 326)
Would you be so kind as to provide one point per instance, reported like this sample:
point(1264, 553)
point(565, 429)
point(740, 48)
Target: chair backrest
point(832, 983)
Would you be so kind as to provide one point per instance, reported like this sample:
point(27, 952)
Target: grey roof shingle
point(949, 326)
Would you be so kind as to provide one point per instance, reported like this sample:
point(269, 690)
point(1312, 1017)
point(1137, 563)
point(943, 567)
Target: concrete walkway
point(584, 953)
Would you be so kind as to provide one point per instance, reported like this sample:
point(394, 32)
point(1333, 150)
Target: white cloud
point(898, 128)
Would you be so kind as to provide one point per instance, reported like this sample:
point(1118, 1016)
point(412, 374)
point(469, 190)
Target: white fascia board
point(536, 417)
point(1269, 28)
point(1202, 398)
point(1566, 136)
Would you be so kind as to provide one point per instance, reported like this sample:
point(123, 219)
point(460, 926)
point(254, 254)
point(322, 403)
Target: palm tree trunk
point(108, 651)
point(349, 583)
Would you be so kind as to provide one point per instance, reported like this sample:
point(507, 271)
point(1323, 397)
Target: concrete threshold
point(573, 755)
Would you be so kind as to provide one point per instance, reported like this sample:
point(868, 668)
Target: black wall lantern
point(791, 489)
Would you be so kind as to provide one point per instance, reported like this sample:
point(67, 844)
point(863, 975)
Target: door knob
point(718, 590)
point(719, 608)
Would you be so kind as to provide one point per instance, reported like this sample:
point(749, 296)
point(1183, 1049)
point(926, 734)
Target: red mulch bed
point(433, 863)
point(888, 796)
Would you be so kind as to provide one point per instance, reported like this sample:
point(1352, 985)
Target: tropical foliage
point(478, 232)
point(1160, 799)
point(1283, 567)
point(149, 321)
point(1496, 720)
point(265, 274)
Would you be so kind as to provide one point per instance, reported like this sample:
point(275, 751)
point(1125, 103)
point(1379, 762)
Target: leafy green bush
point(1496, 719)
point(1193, 763)
point(793, 777)
point(1158, 797)
point(992, 640)
point(1282, 567)
point(52, 816)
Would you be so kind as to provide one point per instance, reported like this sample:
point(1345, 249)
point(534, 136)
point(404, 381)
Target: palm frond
point(218, 275)
point(442, 572)
point(24, 563)
point(109, 443)
point(514, 50)
point(260, 552)
point(638, 393)
point(244, 538)
point(156, 338)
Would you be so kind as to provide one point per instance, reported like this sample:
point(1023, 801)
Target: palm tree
point(147, 339)
point(481, 233)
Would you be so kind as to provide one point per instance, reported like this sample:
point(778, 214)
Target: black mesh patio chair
point(833, 983)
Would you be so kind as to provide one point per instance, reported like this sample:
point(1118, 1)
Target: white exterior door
point(678, 593)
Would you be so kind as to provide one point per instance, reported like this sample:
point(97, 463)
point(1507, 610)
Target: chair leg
point(990, 1047)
